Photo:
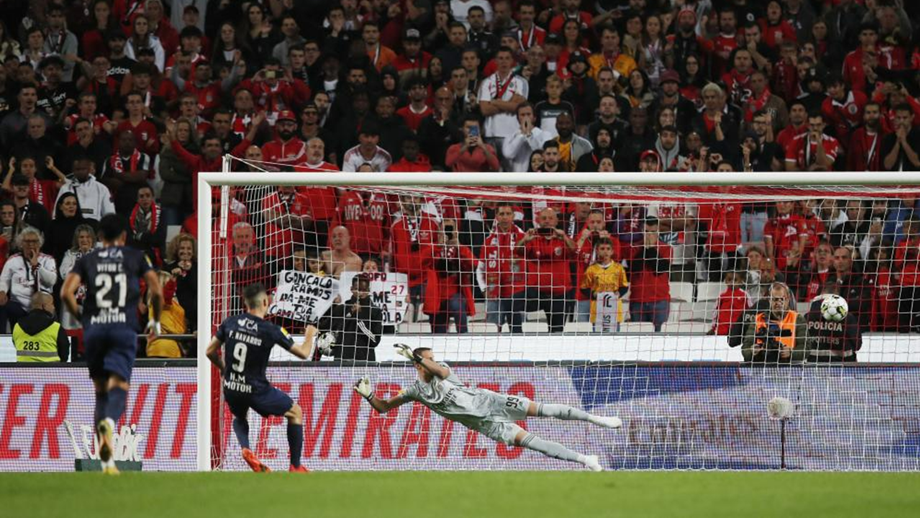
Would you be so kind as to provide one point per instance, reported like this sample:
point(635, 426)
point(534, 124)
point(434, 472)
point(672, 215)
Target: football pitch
point(467, 494)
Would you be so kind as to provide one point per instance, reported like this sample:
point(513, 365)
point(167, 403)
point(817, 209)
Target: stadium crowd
point(117, 105)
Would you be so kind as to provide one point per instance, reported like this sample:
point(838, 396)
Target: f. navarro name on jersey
point(246, 338)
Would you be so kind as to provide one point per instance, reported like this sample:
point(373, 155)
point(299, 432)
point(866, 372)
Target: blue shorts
point(110, 349)
point(265, 403)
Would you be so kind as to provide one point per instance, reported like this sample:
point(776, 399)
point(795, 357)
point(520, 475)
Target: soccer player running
point(489, 413)
point(112, 275)
point(248, 341)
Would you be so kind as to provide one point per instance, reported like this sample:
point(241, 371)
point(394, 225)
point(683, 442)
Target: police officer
point(778, 335)
point(37, 336)
point(356, 325)
point(831, 342)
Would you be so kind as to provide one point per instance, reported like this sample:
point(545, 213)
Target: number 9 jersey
point(248, 341)
point(112, 277)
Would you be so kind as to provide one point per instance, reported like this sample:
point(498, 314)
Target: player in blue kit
point(248, 340)
point(112, 276)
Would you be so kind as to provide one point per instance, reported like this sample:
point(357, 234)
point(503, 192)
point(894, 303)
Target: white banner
point(389, 292)
point(303, 296)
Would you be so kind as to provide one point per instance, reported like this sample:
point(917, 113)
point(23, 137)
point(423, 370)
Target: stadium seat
point(707, 296)
point(415, 327)
point(578, 327)
point(535, 327)
point(637, 327)
point(685, 327)
point(482, 327)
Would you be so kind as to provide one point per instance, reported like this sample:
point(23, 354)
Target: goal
point(682, 303)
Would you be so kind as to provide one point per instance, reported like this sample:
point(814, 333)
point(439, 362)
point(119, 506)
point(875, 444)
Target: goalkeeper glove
point(363, 387)
point(406, 352)
point(324, 343)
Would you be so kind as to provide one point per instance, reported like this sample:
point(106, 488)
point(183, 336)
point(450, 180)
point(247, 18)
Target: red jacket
point(367, 222)
point(414, 261)
point(197, 163)
point(421, 165)
point(907, 259)
point(645, 283)
point(724, 223)
point(290, 153)
point(279, 241)
point(885, 302)
point(549, 265)
point(286, 95)
point(731, 305)
point(845, 116)
point(504, 272)
point(442, 285)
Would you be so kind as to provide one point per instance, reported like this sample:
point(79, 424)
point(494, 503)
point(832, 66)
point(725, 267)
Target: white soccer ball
point(834, 308)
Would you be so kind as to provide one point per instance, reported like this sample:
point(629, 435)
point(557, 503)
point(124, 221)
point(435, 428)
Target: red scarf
point(755, 104)
point(37, 192)
point(154, 217)
point(118, 165)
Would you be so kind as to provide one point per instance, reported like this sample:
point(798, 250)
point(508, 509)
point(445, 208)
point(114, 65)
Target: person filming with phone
point(471, 155)
point(549, 252)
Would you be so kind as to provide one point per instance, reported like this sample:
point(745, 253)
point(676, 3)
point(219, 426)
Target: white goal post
point(207, 181)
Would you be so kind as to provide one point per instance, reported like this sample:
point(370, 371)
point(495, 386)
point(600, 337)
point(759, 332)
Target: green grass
point(476, 495)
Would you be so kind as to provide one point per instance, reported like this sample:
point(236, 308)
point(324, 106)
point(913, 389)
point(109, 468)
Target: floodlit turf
point(476, 495)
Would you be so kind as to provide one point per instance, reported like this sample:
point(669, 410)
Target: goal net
point(681, 308)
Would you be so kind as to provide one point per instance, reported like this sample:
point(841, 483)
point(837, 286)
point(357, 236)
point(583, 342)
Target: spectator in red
point(148, 233)
point(738, 79)
point(160, 25)
point(571, 10)
point(449, 286)
point(776, 30)
point(413, 61)
point(725, 42)
point(884, 289)
point(808, 285)
point(413, 236)
point(125, 172)
point(865, 149)
point(43, 192)
point(907, 264)
point(731, 305)
point(528, 33)
point(472, 154)
point(366, 215)
point(843, 108)
point(722, 224)
point(857, 62)
point(412, 161)
point(650, 289)
point(273, 93)
point(548, 252)
point(798, 125)
point(86, 109)
point(247, 265)
point(785, 235)
point(854, 286)
point(417, 109)
point(500, 272)
point(813, 150)
point(136, 122)
point(289, 222)
point(207, 91)
point(286, 149)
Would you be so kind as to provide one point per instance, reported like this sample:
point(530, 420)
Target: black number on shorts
point(512, 402)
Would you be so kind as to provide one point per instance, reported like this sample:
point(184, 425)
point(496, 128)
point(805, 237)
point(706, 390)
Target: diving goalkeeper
point(487, 412)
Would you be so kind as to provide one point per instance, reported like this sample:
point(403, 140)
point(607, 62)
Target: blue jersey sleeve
point(284, 339)
point(79, 268)
point(221, 333)
point(143, 265)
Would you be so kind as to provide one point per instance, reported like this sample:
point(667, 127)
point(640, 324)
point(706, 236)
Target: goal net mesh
point(682, 310)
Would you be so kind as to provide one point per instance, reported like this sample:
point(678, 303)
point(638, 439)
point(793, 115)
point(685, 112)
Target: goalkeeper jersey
point(451, 397)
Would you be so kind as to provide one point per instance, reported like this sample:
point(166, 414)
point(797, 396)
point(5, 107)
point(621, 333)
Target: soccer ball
point(834, 308)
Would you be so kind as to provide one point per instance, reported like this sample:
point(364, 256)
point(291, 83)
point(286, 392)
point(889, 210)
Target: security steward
point(37, 336)
point(831, 342)
point(357, 324)
point(778, 335)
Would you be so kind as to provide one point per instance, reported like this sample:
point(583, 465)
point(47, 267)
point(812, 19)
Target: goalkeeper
point(487, 412)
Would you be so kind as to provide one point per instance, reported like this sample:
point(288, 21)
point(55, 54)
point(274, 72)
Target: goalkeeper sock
point(564, 412)
point(115, 404)
point(102, 400)
point(295, 442)
point(241, 429)
point(551, 449)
